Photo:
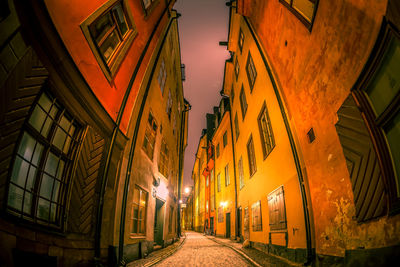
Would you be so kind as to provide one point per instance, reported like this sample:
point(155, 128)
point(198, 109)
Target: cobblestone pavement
point(198, 250)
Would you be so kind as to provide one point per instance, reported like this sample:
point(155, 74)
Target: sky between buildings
point(202, 25)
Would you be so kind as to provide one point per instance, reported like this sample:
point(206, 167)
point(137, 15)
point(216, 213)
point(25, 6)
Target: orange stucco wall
point(318, 69)
point(110, 94)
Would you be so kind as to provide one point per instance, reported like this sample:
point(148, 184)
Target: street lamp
point(187, 190)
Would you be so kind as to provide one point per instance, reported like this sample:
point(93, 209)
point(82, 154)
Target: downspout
point(310, 254)
point(99, 215)
point(133, 145)
point(182, 137)
point(234, 172)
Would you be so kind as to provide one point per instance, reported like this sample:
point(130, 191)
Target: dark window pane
point(59, 138)
point(43, 209)
point(15, 197)
point(26, 146)
point(393, 137)
point(37, 118)
point(119, 15)
point(46, 186)
point(45, 102)
point(101, 26)
point(109, 45)
point(27, 202)
point(55, 191)
point(51, 164)
point(386, 82)
point(37, 155)
point(53, 212)
point(20, 171)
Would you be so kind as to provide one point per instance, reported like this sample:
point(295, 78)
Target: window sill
point(136, 236)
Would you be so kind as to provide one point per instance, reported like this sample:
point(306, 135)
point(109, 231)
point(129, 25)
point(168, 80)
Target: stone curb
point(164, 255)
point(237, 251)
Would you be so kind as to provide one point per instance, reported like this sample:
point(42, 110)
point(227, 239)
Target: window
point(220, 214)
point(217, 150)
point(148, 5)
point(241, 40)
point(39, 178)
point(207, 181)
point(227, 178)
point(237, 68)
point(169, 105)
point(162, 76)
point(277, 210)
point(252, 156)
point(303, 9)
point(212, 202)
point(237, 132)
point(225, 139)
point(246, 220)
point(163, 161)
point(219, 182)
point(241, 173)
point(170, 221)
point(376, 93)
point(243, 102)
point(109, 32)
point(251, 71)
point(139, 211)
point(266, 134)
point(150, 136)
point(206, 206)
point(256, 216)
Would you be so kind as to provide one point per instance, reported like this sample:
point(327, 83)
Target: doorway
point(159, 222)
point(228, 225)
point(239, 222)
point(212, 225)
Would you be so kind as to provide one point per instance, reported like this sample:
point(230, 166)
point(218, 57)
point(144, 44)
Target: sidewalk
point(158, 255)
point(256, 257)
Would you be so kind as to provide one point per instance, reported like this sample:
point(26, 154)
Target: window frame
point(163, 161)
point(243, 102)
point(136, 234)
point(111, 66)
point(237, 129)
point(69, 158)
point(251, 154)
point(217, 150)
point(150, 131)
point(269, 130)
point(251, 69)
point(241, 40)
point(225, 138)
point(308, 24)
point(237, 68)
point(219, 182)
point(277, 210)
point(241, 173)
point(227, 177)
point(375, 124)
point(256, 227)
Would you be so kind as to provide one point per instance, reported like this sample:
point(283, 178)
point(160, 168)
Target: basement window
point(109, 31)
point(39, 178)
point(304, 10)
point(277, 210)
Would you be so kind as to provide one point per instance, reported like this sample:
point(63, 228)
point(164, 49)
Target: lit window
point(139, 211)
point(227, 178)
point(109, 31)
point(303, 9)
point(256, 216)
point(163, 162)
point(162, 76)
point(277, 210)
point(241, 173)
point(225, 139)
point(266, 134)
point(243, 102)
point(251, 71)
point(241, 40)
point(150, 136)
point(252, 156)
point(39, 177)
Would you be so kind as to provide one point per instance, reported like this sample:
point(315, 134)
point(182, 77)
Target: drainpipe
point(99, 215)
point(234, 167)
point(133, 146)
point(310, 253)
point(182, 137)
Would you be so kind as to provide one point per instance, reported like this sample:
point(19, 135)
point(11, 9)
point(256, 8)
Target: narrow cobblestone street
point(198, 250)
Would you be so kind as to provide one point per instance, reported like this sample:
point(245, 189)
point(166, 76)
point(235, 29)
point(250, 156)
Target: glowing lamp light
point(180, 201)
point(187, 190)
point(223, 204)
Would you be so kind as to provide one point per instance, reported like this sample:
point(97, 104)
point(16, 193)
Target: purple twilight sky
point(202, 25)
